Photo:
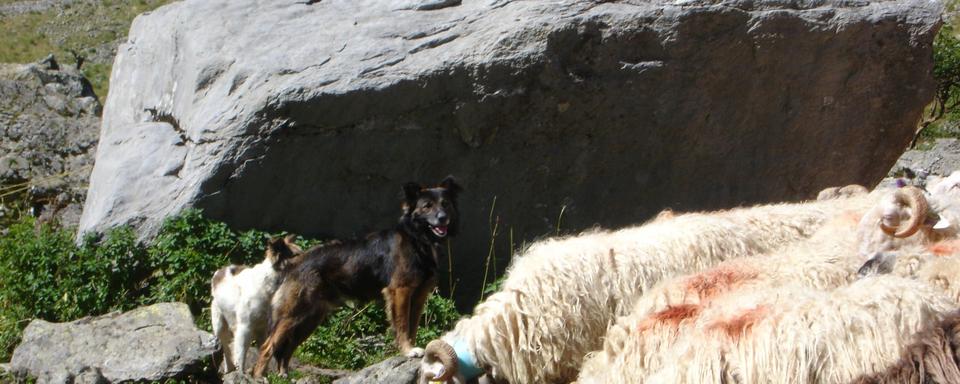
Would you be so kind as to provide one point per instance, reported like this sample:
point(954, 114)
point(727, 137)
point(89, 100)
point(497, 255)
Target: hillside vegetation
point(71, 30)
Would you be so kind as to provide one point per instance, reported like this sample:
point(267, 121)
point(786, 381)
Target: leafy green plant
point(354, 337)
point(946, 69)
point(943, 118)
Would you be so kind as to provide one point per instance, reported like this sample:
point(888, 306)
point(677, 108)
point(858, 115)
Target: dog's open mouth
point(439, 230)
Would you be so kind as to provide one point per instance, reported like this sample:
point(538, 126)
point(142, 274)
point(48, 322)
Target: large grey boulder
point(307, 116)
point(49, 122)
point(146, 344)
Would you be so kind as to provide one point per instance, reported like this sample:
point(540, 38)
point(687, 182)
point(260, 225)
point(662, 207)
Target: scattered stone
point(397, 369)
point(151, 343)
point(942, 158)
point(240, 378)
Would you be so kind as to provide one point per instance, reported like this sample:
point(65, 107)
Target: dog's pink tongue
point(440, 230)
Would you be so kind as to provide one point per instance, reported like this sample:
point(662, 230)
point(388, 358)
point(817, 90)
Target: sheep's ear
point(943, 223)
point(450, 184)
point(879, 264)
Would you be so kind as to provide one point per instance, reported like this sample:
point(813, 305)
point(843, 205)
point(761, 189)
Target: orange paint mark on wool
point(718, 280)
point(672, 316)
point(945, 248)
point(741, 324)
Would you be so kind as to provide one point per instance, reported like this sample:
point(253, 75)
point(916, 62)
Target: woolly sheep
point(938, 220)
point(931, 359)
point(937, 264)
point(790, 334)
point(825, 261)
point(560, 294)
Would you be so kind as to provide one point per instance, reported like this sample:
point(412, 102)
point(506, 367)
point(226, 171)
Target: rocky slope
point(308, 116)
point(49, 122)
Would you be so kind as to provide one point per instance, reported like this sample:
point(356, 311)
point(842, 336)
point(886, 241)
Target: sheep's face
point(439, 364)
point(430, 370)
point(894, 222)
point(892, 212)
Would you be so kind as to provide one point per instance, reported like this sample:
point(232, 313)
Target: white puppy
point(240, 309)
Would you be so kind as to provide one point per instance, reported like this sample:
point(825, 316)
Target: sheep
point(893, 223)
point(936, 218)
point(241, 304)
point(933, 358)
point(825, 261)
point(940, 226)
point(789, 334)
point(840, 192)
point(937, 264)
point(560, 294)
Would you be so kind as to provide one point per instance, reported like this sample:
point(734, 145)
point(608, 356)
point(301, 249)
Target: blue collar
point(468, 363)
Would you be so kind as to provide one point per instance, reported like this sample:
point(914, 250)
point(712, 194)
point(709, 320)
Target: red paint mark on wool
point(672, 316)
point(717, 280)
point(742, 323)
point(945, 248)
point(848, 218)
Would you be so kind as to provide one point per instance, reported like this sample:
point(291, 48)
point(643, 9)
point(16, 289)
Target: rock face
point(49, 122)
point(308, 116)
point(147, 344)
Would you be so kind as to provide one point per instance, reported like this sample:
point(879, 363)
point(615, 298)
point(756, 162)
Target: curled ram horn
point(438, 351)
point(913, 198)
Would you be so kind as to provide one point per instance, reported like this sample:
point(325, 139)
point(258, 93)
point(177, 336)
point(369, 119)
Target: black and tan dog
point(398, 264)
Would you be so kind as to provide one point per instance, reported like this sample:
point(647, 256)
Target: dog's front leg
point(420, 296)
point(398, 300)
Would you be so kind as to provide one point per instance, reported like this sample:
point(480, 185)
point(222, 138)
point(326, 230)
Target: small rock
point(240, 378)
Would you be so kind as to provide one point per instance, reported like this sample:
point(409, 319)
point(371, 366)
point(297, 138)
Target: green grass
point(81, 28)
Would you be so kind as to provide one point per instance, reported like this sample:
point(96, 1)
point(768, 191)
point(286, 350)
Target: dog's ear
point(289, 243)
point(411, 192)
point(450, 184)
point(282, 248)
point(274, 247)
